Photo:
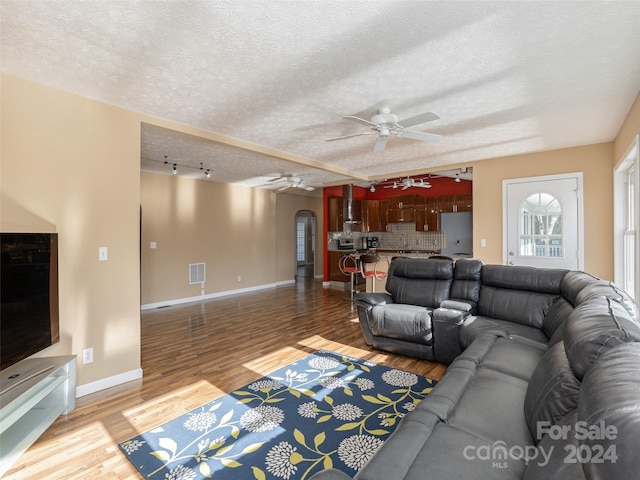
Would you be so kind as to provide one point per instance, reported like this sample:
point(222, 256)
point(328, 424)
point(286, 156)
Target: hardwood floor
point(192, 354)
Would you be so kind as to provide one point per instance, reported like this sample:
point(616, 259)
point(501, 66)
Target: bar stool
point(350, 265)
point(372, 272)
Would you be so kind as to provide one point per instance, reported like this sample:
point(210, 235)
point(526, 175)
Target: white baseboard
point(87, 388)
point(199, 298)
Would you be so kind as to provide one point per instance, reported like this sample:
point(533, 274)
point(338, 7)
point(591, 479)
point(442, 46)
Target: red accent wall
point(439, 186)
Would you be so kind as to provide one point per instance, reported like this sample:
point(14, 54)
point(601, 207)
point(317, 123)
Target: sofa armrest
point(330, 474)
point(369, 300)
point(446, 324)
point(462, 305)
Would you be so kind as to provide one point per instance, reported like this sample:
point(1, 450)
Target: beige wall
point(595, 163)
point(287, 207)
point(230, 228)
point(235, 230)
point(72, 166)
point(630, 128)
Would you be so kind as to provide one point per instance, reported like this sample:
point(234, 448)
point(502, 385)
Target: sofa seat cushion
point(475, 398)
point(437, 451)
point(480, 325)
point(404, 322)
point(450, 453)
point(514, 358)
point(491, 409)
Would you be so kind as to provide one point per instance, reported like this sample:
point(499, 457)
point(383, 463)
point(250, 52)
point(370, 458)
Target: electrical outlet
point(239, 278)
point(87, 355)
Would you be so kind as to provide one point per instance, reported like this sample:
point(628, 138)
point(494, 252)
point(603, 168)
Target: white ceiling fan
point(408, 183)
point(386, 123)
point(290, 182)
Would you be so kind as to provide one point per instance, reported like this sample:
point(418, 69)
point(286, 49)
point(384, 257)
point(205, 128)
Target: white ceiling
point(276, 77)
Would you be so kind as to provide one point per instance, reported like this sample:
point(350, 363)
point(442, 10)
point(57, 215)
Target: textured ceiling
point(278, 76)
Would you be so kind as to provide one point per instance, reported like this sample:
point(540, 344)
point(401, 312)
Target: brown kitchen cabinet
point(432, 212)
point(370, 216)
point(463, 203)
point(384, 204)
point(401, 208)
point(421, 214)
point(336, 214)
point(335, 275)
point(356, 213)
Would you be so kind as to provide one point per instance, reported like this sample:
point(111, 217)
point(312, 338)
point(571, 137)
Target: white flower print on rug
point(325, 411)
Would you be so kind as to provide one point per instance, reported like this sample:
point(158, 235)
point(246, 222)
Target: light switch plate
point(102, 254)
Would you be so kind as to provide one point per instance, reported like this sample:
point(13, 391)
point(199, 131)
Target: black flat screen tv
point(29, 319)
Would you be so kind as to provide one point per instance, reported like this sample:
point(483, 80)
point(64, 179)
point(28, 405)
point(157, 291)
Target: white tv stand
point(33, 393)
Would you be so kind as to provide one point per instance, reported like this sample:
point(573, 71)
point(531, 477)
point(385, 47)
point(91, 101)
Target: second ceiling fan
point(387, 123)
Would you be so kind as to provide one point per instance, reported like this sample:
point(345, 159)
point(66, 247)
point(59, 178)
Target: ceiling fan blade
point(361, 120)
point(381, 143)
point(424, 136)
point(309, 189)
point(348, 136)
point(418, 119)
point(276, 179)
point(286, 187)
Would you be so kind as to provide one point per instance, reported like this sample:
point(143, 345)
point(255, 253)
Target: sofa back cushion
point(573, 283)
point(466, 280)
point(420, 281)
point(518, 294)
point(551, 462)
point(578, 287)
point(608, 403)
point(552, 392)
point(553, 323)
point(594, 327)
point(608, 289)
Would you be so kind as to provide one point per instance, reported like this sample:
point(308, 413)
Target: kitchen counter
point(390, 252)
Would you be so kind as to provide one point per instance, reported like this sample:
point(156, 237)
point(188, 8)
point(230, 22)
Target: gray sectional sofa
point(543, 379)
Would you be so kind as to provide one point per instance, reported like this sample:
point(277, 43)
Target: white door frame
point(561, 176)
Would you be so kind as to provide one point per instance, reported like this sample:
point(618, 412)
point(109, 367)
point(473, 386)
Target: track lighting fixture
point(372, 188)
point(207, 172)
point(175, 165)
point(457, 180)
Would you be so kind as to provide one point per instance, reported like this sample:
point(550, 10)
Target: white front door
point(543, 221)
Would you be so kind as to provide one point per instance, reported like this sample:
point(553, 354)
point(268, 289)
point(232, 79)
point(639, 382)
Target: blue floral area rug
point(324, 411)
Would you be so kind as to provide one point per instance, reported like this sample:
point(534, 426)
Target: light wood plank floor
point(192, 354)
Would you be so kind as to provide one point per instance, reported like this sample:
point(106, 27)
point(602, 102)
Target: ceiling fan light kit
point(289, 182)
point(386, 123)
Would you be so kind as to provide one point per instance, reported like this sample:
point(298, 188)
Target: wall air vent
point(197, 273)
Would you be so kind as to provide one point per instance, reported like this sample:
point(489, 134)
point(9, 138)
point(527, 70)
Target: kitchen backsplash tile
point(401, 236)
